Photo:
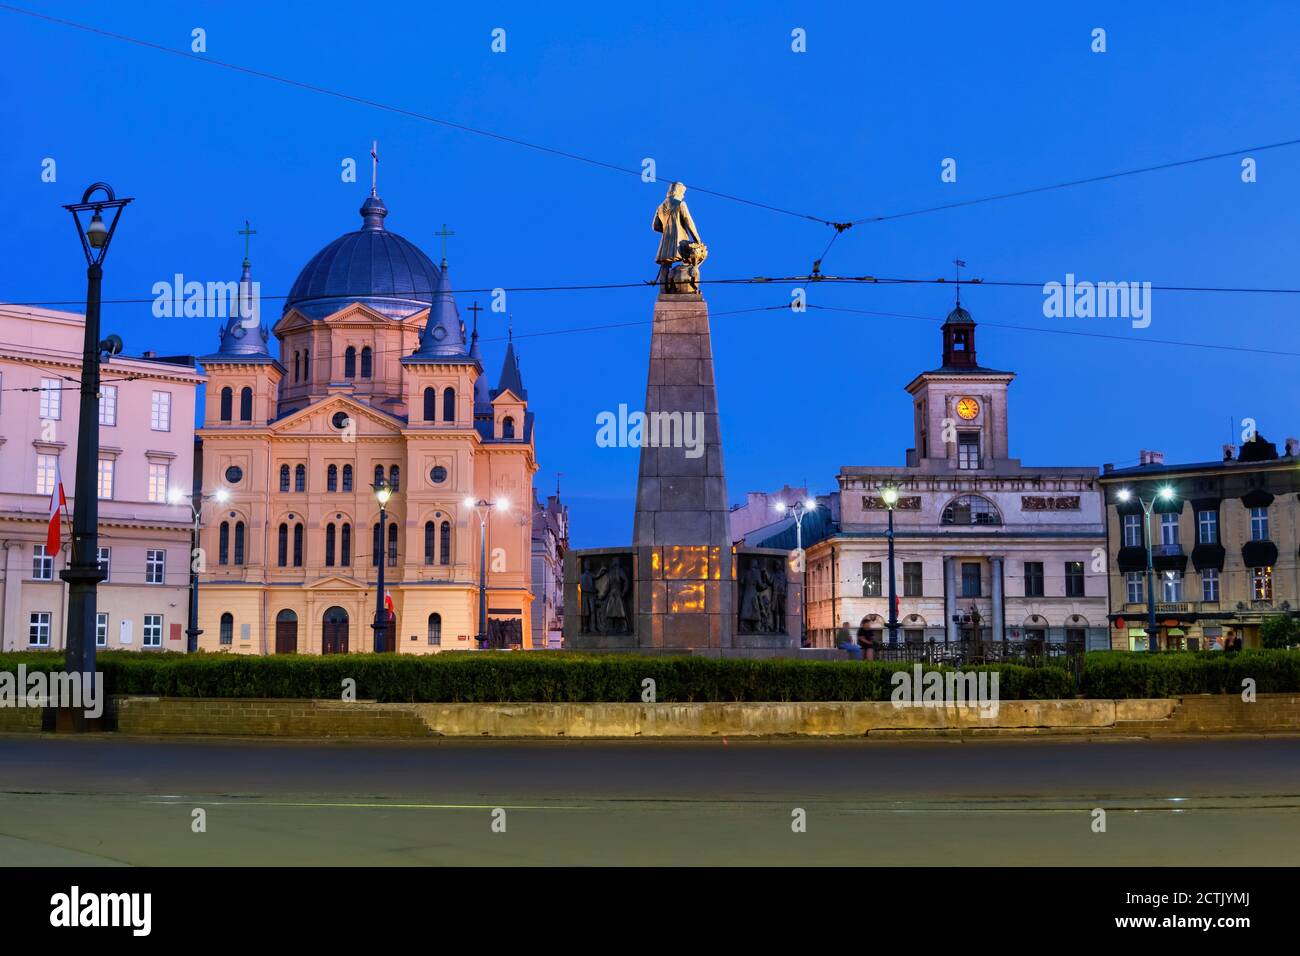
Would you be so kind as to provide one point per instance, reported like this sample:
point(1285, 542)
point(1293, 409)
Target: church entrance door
point(334, 632)
point(286, 632)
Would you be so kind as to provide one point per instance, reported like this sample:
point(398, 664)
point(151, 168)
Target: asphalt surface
point(113, 800)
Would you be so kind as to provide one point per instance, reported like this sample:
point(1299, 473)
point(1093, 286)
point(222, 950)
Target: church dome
point(372, 265)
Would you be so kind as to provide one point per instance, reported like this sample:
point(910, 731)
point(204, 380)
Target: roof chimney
point(1229, 452)
point(1292, 447)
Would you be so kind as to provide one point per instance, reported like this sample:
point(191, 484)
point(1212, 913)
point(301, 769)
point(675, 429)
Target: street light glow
point(810, 505)
point(503, 504)
point(780, 506)
point(1166, 493)
point(222, 495)
point(889, 494)
point(1124, 494)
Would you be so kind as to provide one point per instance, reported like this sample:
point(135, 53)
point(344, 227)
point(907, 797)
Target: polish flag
point(388, 603)
point(58, 504)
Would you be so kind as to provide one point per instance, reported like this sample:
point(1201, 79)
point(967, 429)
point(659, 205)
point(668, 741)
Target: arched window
point(429, 532)
point(367, 362)
point(449, 405)
point(430, 404)
point(329, 545)
point(395, 478)
point(379, 474)
point(345, 546)
point(246, 405)
point(223, 543)
point(284, 477)
point(435, 629)
point(507, 427)
point(350, 363)
point(392, 545)
point(300, 478)
point(297, 545)
point(347, 477)
point(295, 366)
point(444, 543)
point(971, 509)
point(239, 542)
point(282, 546)
point(227, 399)
point(306, 365)
point(332, 478)
point(227, 628)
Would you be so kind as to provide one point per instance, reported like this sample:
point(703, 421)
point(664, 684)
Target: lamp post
point(82, 572)
point(1164, 494)
point(484, 508)
point(177, 496)
point(889, 495)
point(799, 509)
point(383, 491)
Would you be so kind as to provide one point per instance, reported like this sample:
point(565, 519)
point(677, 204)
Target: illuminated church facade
point(375, 380)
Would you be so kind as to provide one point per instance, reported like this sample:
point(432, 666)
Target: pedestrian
point(844, 641)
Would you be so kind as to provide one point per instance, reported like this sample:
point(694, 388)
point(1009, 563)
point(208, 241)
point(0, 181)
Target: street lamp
point(484, 508)
point(221, 496)
point(383, 492)
point(1164, 493)
point(889, 495)
point(82, 572)
point(799, 509)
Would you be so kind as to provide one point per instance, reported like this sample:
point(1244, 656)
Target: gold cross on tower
point(247, 232)
point(444, 232)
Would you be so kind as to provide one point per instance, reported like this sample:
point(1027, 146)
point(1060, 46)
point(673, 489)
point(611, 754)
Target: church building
point(374, 382)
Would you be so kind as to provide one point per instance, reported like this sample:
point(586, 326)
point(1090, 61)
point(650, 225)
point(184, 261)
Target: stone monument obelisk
point(676, 588)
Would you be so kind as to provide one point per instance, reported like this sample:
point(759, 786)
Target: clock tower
point(960, 408)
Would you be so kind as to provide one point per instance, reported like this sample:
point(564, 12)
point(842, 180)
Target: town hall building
point(374, 382)
point(985, 548)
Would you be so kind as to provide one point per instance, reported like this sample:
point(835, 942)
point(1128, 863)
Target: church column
point(950, 599)
point(999, 631)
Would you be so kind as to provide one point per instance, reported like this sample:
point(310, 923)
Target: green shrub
point(522, 677)
point(1120, 674)
point(1279, 631)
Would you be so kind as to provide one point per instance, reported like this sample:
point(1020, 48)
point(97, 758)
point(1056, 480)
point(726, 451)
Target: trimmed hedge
point(566, 677)
point(522, 677)
point(1120, 674)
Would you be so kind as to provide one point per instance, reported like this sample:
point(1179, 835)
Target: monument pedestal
point(681, 586)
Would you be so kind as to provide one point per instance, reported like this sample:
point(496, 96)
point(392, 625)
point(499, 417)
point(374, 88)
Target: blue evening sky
point(856, 126)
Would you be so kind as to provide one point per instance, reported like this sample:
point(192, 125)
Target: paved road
point(115, 800)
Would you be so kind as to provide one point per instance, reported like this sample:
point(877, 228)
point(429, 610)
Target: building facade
point(146, 452)
point(374, 379)
point(985, 547)
point(1224, 545)
point(550, 542)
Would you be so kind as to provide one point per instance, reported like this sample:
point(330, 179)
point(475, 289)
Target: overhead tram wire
point(401, 111)
point(643, 284)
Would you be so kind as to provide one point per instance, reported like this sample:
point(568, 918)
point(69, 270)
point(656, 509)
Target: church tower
point(243, 378)
point(959, 408)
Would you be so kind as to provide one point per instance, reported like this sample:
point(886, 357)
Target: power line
point(1076, 182)
point(262, 74)
point(643, 284)
point(1095, 335)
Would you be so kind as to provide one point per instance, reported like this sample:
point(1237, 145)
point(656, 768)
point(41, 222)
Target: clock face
point(968, 408)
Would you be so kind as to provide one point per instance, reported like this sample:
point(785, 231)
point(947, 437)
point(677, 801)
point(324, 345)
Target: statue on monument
point(680, 250)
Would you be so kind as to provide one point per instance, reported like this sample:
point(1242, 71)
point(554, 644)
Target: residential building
point(146, 449)
point(1224, 546)
point(550, 542)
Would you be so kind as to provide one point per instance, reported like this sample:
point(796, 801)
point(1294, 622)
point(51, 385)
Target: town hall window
point(970, 579)
point(968, 450)
point(971, 509)
point(1033, 579)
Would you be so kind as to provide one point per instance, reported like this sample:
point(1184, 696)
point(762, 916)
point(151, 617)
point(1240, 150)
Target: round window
point(438, 475)
point(234, 475)
point(340, 419)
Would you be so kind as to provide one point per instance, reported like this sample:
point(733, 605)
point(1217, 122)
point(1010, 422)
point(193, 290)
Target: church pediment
point(319, 419)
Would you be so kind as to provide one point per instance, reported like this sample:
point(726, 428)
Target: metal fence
point(971, 652)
